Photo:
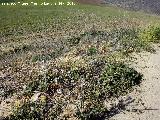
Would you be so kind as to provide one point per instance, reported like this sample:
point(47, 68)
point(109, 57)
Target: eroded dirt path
point(147, 100)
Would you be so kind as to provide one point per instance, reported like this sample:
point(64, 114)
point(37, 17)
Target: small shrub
point(6, 91)
point(41, 57)
point(151, 34)
point(93, 111)
point(92, 51)
point(128, 40)
point(118, 78)
point(31, 87)
point(92, 85)
point(74, 40)
point(96, 33)
point(29, 111)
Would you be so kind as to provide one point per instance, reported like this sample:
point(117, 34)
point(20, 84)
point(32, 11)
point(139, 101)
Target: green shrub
point(28, 111)
point(36, 111)
point(127, 40)
point(95, 111)
point(118, 78)
point(41, 57)
point(95, 83)
point(92, 51)
point(74, 41)
point(151, 34)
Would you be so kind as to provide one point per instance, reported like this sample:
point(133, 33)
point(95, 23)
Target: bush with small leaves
point(88, 86)
point(92, 51)
point(151, 34)
point(118, 78)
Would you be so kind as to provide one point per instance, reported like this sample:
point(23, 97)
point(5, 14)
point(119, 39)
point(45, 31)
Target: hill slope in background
point(150, 6)
point(91, 1)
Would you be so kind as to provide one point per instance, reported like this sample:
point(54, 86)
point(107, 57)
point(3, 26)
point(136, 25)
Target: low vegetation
point(70, 62)
point(84, 90)
point(151, 34)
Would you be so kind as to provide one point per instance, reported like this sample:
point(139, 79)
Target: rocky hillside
point(150, 6)
point(91, 1)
